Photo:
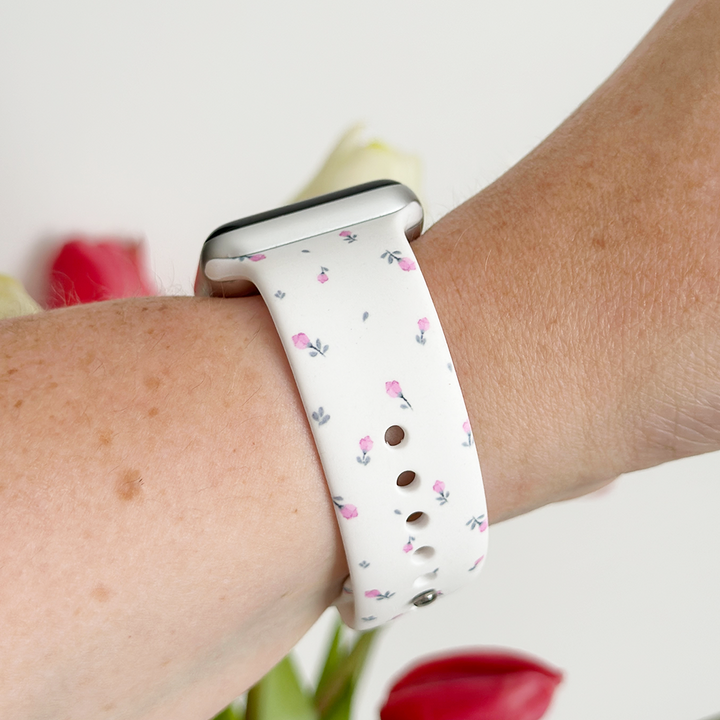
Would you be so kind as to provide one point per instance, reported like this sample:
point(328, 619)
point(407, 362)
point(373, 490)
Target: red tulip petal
point(473, 686)
point(91, 271)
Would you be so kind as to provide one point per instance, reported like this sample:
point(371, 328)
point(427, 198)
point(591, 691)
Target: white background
point(166, 119)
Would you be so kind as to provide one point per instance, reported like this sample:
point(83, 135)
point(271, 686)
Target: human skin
point(166, 534)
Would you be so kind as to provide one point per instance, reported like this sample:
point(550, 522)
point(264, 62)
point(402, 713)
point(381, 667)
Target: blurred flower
point(495, 685)
point(355, 160)
point(14, 300)
point(86, 271)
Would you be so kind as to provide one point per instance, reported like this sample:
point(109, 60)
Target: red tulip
point(85, 271)
point(494, 685)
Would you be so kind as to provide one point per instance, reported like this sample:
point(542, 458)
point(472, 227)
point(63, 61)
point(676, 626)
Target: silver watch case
point(220, 272)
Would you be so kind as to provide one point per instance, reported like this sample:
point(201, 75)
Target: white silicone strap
point(368, 353)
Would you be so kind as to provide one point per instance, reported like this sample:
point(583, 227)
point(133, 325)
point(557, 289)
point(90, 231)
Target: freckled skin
point(100, 593)
point(153, 412)
point(152, 383)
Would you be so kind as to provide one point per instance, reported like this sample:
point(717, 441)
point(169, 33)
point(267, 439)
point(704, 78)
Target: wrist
point(514, 325)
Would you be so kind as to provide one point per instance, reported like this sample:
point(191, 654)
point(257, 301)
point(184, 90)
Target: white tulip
point(14, 301)
point(356, 160)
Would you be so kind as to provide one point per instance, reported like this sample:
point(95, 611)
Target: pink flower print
point(253, 258)
point(405, 264)
point(408, 546)
point(468, 431)
point(393, 389)
point(439, 488)
point(301, 341)
point(322, 278)
point(378, 595)
point(346, 510)
point(423, 324)
point(348, 236)
point(483, 526)
point(476, 563)
point(366, 445)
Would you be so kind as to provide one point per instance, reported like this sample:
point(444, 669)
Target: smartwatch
point(378, 385)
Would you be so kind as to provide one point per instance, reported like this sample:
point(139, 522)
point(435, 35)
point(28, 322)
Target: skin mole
point(129, 486)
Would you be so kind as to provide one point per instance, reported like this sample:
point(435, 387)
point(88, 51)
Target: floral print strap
point(386, 411)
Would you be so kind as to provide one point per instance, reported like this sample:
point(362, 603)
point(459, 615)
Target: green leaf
point(337, 653)
point(279, 696)
point(342, 706)
point(335, 700)
point(232, 712)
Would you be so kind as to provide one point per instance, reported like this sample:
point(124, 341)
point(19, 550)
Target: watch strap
point(371, 362)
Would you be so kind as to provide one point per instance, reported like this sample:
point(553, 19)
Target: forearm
point(165, 522)
point(582, 287)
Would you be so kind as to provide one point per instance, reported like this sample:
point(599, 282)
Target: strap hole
point(423, 554)
point(417, 521)
point(405, 478)
point(394, 435)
